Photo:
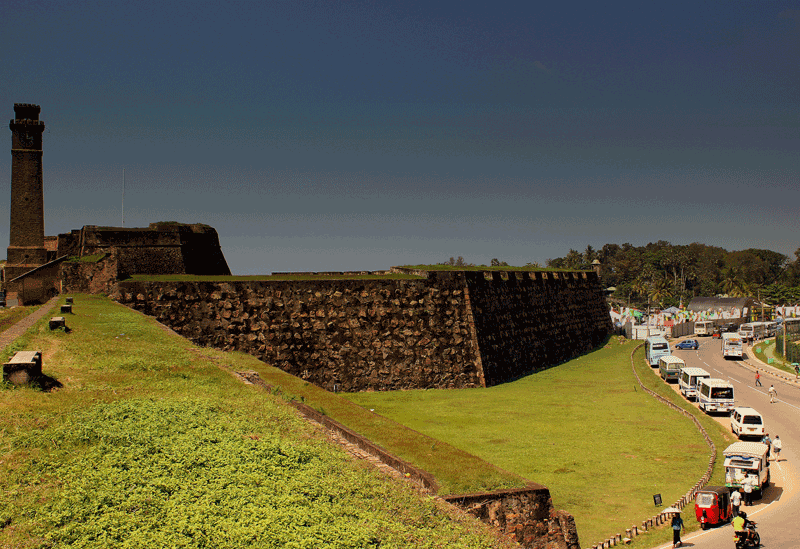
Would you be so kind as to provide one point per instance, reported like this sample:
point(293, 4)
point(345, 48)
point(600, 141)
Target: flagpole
point(123, 197)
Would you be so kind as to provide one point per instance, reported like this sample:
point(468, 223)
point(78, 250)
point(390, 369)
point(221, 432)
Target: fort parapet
point(452, 329)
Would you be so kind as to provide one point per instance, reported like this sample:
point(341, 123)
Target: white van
point(689, 379)
point(747, 460)
point(715, 395)
point(746, 422)
point(669, 367)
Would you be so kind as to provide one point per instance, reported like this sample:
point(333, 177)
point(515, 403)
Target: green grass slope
point(152, 443)
point(584, 429)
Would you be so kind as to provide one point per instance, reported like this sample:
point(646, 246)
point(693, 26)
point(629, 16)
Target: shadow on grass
point(46, 383)
point(603, 343)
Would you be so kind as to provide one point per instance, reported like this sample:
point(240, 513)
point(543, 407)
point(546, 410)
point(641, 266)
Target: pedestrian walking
point(736, 501)
point(768, 441)
point(777, 446)
point(758, 379)
point(747, 488)
point(677, 525)
point(772, 393)
point(797, 371)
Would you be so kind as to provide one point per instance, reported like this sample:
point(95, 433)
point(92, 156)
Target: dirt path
point(8, 336)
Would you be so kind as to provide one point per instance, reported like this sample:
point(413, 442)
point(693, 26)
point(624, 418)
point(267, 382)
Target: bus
point(753, 331)
point(704, 327)
point(772, 329)
point(655, 347)
point(715, 395)
point(731, 345)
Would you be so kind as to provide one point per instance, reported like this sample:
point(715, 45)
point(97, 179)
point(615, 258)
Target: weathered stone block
point(23, 368)
point(57, 322)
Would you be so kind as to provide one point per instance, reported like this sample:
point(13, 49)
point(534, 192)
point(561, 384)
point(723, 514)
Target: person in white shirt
point(747, 488)
point(736, 501)
point(777, 446)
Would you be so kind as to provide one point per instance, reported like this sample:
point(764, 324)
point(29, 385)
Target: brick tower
point(26, 248)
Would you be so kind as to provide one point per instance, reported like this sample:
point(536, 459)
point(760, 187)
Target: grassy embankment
point(765, 351)
point(117, 355)
point(12, 315)
point(584, 429)
point(152, 443)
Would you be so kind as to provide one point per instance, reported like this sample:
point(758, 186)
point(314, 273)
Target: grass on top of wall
point(584, 429)
point(152, 442)
point(483, 268)
point(267, 278)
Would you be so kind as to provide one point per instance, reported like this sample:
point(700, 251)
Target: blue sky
point(365, 134)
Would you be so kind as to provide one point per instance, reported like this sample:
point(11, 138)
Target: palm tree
point(733, 284)
point(659, 291)
point(640, 286)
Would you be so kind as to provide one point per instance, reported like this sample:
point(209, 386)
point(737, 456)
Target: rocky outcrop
point(526, 515)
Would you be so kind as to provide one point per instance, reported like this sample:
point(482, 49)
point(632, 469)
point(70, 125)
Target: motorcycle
point(751, 541)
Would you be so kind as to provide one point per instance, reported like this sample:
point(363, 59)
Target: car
point(688, 344)
point(717, 334)
point(746, 422)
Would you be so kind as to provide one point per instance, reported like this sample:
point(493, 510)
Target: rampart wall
point(527, 321)
point(453, 329)
point(161, 248)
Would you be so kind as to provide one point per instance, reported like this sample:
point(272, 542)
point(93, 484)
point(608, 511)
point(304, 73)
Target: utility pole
point(123, 197)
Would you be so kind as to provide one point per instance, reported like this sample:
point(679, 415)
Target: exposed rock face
point(525, 515)
point(455, 329)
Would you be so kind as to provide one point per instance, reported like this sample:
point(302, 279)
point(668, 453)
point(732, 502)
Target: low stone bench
point(57, 322)
point(23, 368)
point(68, 300)
point(66, 308)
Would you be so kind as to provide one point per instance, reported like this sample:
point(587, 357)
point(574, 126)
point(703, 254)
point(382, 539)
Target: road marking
point(786, 403)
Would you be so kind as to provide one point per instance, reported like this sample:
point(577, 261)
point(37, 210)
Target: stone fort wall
point(161, 248)
point(454, 329)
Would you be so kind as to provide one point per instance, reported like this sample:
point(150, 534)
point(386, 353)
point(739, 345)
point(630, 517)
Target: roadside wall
point(453, 329)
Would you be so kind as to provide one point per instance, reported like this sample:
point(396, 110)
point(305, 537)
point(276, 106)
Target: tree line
point(665, 274)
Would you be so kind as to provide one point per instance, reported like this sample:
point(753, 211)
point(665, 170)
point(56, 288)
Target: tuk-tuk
point(712, 506)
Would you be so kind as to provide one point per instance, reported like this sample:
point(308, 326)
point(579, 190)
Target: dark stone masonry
point(453, 329)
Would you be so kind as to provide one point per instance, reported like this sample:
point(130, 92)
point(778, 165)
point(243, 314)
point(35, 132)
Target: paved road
point(775, 514)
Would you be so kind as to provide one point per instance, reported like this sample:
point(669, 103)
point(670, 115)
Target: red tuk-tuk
point(712, 506)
